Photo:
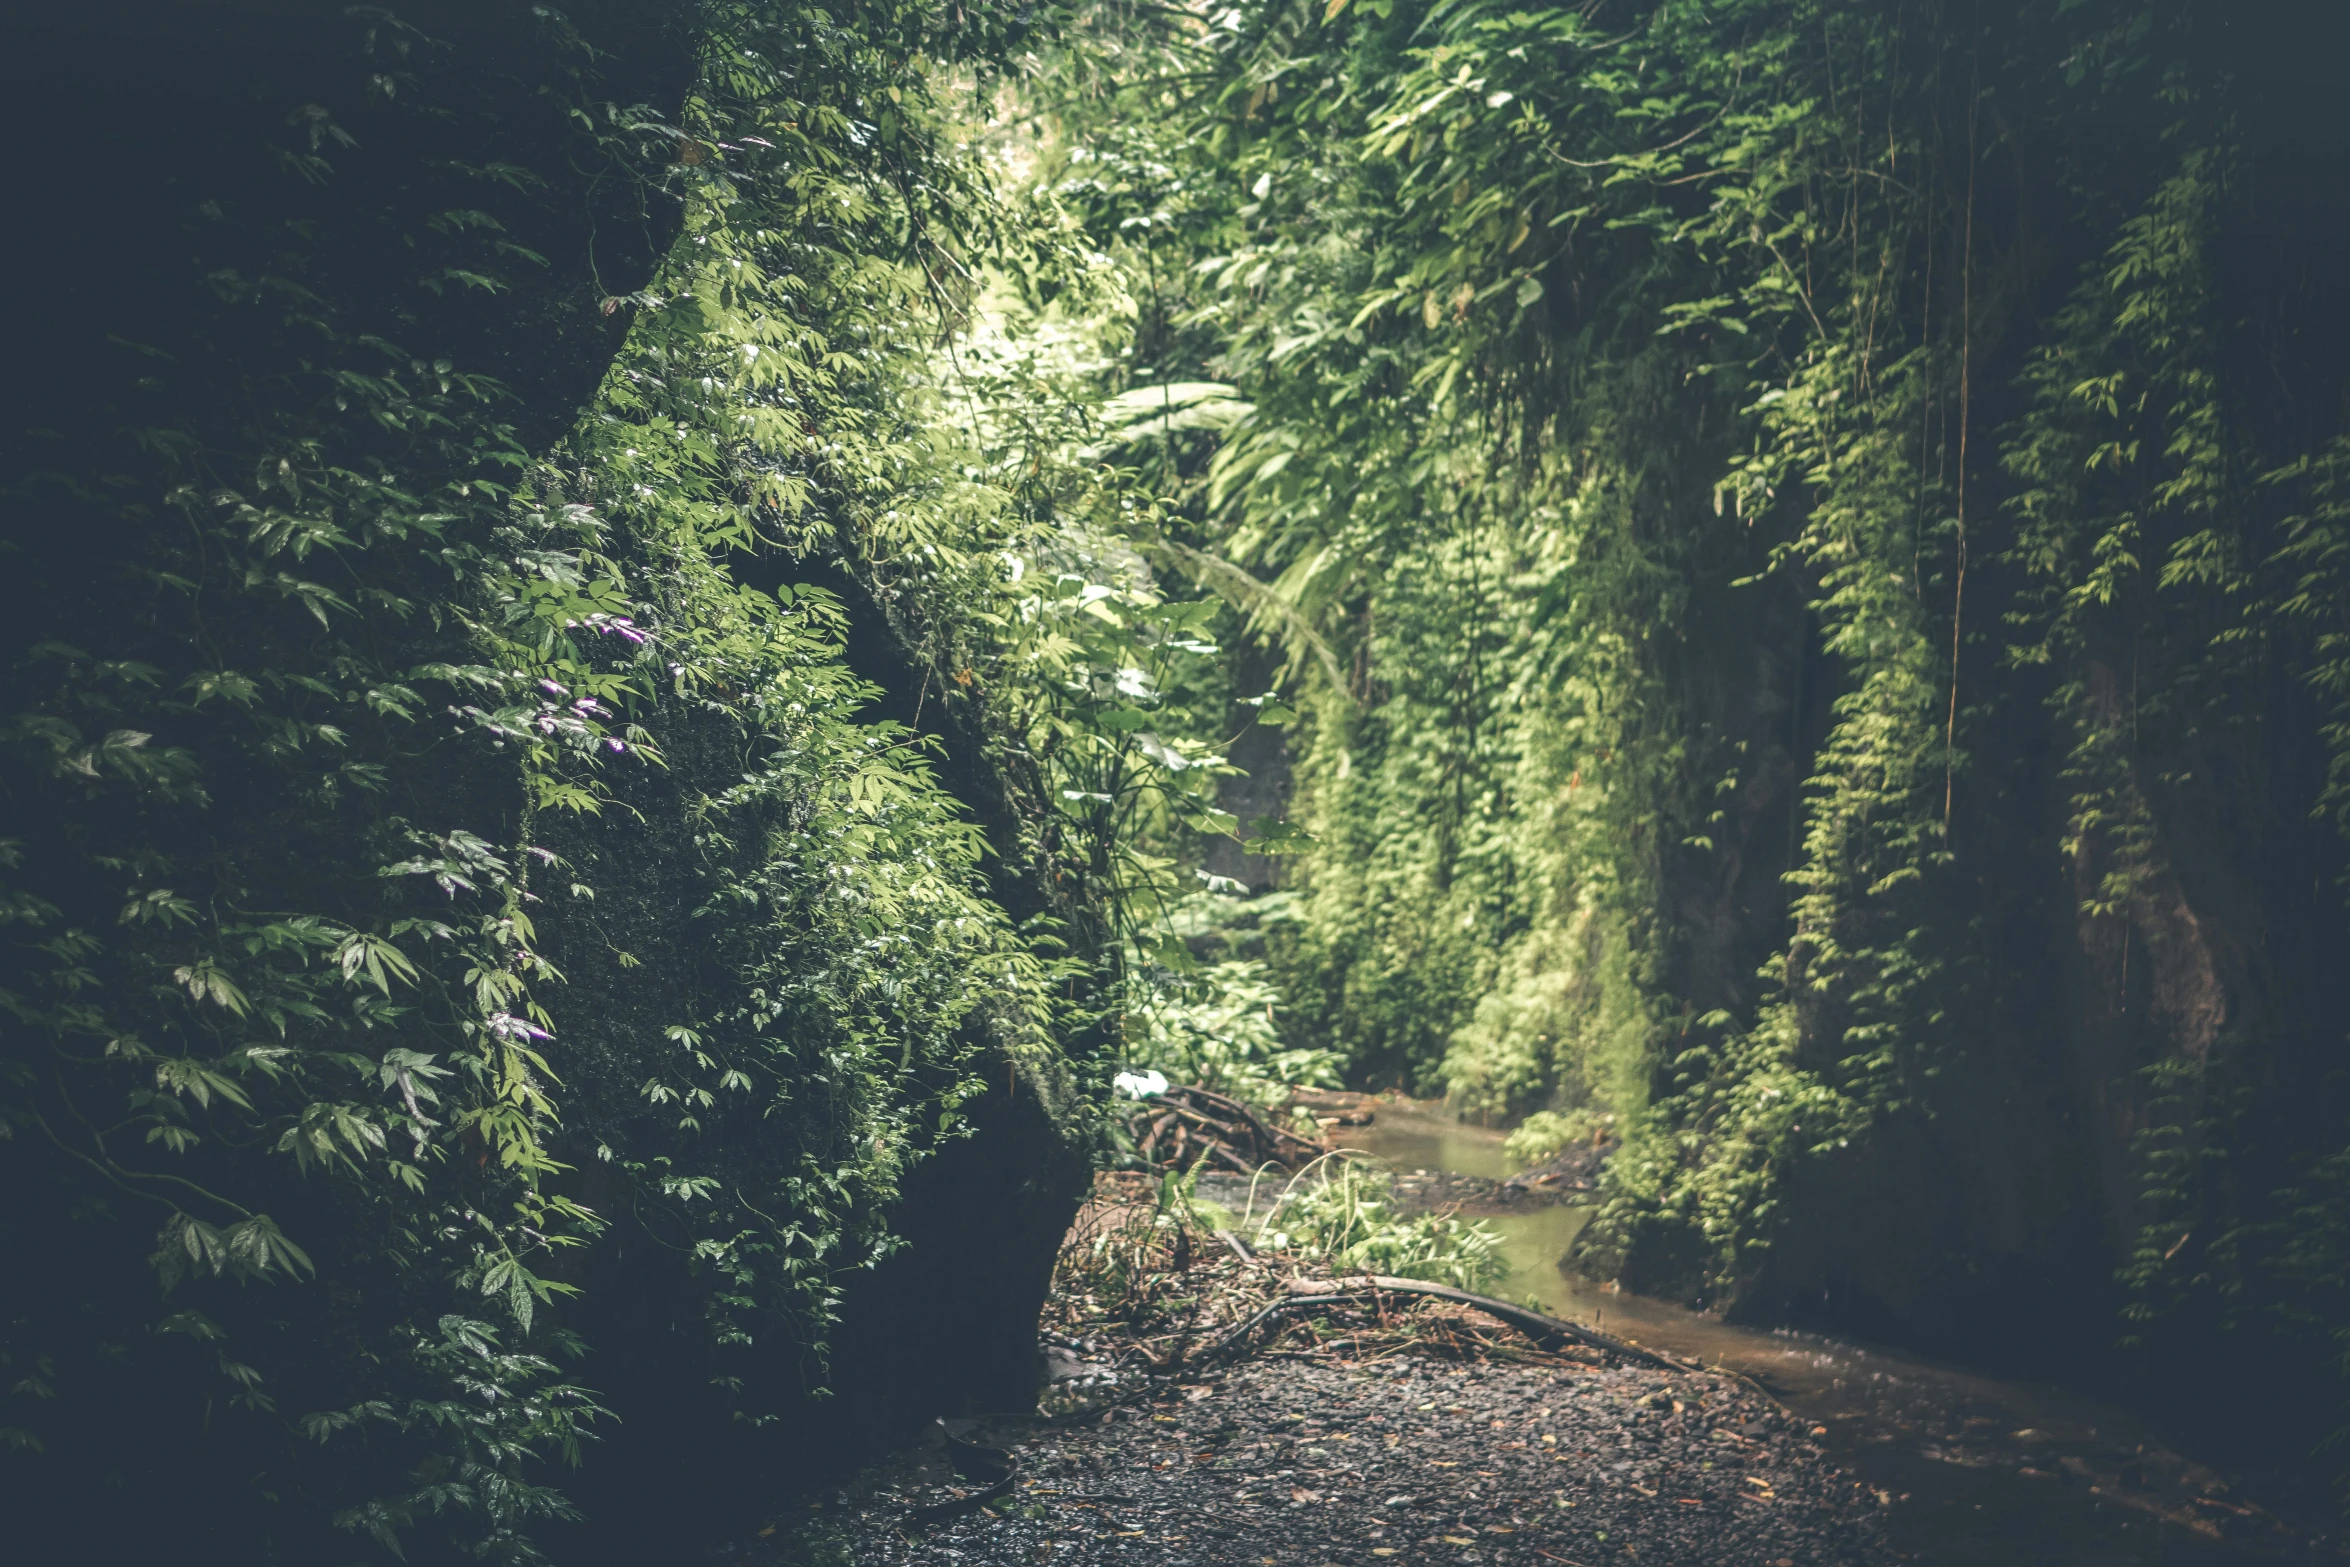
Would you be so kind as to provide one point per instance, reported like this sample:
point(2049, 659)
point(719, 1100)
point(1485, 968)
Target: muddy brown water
point(1979, 1470)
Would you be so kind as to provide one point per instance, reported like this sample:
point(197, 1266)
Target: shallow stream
point(1977, 1469)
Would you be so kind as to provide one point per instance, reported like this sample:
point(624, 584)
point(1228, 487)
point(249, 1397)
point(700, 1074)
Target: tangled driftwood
point(1308, 1293)
point(1143, 1294)
point(1178, 1128)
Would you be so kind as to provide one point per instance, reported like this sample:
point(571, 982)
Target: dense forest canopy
point(652, 637)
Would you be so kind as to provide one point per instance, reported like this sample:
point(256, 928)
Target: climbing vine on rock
point(1801, 537)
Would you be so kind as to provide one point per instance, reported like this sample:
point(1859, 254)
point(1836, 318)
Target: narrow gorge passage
point(736, 735)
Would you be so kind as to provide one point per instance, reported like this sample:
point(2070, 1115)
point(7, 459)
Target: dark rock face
point(181, 106)
point(948, 1325)
point(944, 1324)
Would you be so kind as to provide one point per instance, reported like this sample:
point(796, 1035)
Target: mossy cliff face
point(1809, 539)
point(505, 979)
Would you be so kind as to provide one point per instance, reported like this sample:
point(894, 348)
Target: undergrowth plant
point(1547, 1134)
point(1340, 1213)
point(1217, 1029)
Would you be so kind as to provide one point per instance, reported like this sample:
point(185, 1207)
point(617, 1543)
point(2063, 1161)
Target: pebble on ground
point(1298, 1463)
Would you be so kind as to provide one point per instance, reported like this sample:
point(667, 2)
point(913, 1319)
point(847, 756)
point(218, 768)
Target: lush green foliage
point(1219, 1031)
point(487, 863)
point(454, 858)
point(1804, 540)
point(1791, 556)
point(1340, 1214)
point(1546, 1134)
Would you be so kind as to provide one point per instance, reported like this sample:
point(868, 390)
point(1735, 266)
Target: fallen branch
point(1241, 1334)
point(1231, 1160)
point(926, 1517)
point(1306, 1293)
point(1187, 1123)
point(1533, 1324)
point(1276, 1140)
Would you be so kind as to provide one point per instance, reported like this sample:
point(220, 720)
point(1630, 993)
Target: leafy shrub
point(1342, 1215)
point(1216, 1030)
point(1546, 1134)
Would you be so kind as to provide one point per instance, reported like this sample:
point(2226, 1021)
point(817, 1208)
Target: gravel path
point(1409, 1460)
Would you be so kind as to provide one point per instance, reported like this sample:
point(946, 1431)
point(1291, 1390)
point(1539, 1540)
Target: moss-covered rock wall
point(1806, 536)
point(508, 1047)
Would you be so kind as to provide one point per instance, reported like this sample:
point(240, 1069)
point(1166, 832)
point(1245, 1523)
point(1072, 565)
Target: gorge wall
point(1807, 539)
point(548, 1031)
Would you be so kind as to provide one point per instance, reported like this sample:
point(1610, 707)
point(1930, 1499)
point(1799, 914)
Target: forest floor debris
point(1409, 1459)
point(1234, 1150)
point(1370, 1427)
point(1576, 1170)
point(1138, 1296)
